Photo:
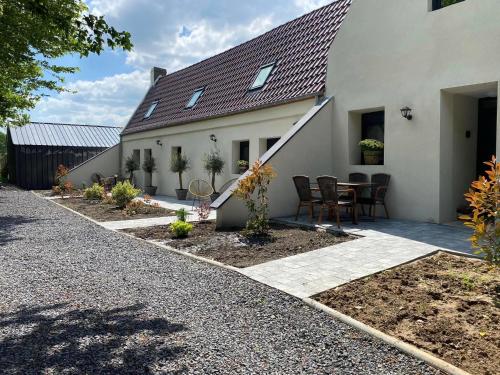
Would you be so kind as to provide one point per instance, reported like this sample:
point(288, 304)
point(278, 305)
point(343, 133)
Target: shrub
point(95, 192)
point(371, 145)
point(123, 193)
point(203, 211)
point(182, 214)
point(484, 198)
point(258, 181)
point(180, 229)
point(134, 207)
point(179, 164)
point(214, 165)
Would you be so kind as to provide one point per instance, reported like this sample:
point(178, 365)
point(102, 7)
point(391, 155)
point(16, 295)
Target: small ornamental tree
point(214, 165)
point(253, 190)
point(484, 199)
point(131, 165)
point(179, 164)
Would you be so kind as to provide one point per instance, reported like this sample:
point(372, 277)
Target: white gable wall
point(395, 53)
point(194, 139)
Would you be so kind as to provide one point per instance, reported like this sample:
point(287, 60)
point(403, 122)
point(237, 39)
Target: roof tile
point(299, 48)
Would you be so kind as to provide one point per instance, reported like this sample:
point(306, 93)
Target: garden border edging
point(409, 349)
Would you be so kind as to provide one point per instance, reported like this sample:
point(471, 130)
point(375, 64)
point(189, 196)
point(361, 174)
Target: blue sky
point(167, 33)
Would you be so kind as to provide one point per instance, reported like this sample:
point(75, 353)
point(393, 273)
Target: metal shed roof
point(69, 135)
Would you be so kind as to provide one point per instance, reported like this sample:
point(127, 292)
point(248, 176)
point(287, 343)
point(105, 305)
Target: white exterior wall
point(395, 53)
point(194, 140)
point(106, 163)
point(308, 151)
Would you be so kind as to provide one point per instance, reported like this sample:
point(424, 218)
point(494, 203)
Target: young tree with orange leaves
point(484, 199)
point(253, 190)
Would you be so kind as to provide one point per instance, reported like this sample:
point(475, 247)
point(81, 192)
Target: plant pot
point(243, 169)
point(150, 190)
point(214, 196)
point(372, 157)
point(181, 194)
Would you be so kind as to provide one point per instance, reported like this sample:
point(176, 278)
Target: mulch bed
point(101, 211)
point(231, 246)
point(448, 305)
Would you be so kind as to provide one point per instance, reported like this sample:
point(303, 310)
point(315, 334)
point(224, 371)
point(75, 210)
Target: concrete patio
point(381, 245)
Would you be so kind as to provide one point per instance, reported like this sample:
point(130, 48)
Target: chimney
point(157, 72)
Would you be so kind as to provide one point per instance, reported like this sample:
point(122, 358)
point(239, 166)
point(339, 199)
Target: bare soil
point(233, 247)
point(101, 211)
point(445, 304)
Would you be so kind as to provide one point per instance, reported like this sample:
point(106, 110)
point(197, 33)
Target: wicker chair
point(378, 192)
point(200, 190)
point(306, 199)
point(358, 177)
point(331, 200)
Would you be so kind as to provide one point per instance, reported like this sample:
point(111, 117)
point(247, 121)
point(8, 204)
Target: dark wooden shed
point(34, 151)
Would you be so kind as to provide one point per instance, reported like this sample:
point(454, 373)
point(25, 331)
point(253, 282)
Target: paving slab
point(383, 244)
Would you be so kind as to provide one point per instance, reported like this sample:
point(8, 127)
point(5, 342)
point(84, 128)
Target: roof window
point(151, 108)
point(262, 76)
point(196, 96)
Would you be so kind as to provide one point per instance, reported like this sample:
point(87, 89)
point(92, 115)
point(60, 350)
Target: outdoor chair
point(330, 199)
point(306, 199)
point(200, 190)
point(358, 177)
point(380, 183)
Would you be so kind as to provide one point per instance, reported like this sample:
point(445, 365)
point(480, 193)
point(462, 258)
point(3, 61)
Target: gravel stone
point(77, 298)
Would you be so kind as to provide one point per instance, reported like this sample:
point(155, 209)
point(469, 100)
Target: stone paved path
point(77, 298)
point(384, 244)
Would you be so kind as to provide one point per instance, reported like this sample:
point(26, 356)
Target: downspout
point(120, 156)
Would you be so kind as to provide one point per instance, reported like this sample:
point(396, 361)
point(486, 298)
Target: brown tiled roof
point(299, 49)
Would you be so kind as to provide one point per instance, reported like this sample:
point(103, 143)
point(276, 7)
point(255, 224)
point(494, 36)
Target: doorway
point(486, 132)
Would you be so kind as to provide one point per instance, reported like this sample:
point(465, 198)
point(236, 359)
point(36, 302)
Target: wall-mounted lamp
point(213, 138)
point(406, 113)
point(158, 142)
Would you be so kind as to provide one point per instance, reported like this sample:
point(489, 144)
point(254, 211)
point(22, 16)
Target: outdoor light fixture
point(406, 112)
point(158, 142)
point(213, 138)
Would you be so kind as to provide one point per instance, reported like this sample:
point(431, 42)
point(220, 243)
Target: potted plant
point(242, 166)
point(179, 164)
point(149, 166)
point(131, 165)
point(372, 150)
point(214, 165)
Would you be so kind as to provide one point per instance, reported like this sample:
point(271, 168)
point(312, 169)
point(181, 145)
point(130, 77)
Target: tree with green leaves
point(35, 32)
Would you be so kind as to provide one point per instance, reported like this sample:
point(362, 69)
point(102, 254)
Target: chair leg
point(320, 216)
point(386, 211)
point(337, 212)
point(298, 211)
point(374, 212)
point(311, 212)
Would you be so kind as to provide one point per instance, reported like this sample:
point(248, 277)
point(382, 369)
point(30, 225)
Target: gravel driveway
point(76, 298)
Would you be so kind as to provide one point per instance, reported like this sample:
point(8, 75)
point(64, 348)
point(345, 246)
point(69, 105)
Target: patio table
point(356, 187)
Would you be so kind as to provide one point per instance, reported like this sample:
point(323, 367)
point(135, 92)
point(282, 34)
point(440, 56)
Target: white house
point(325, 81)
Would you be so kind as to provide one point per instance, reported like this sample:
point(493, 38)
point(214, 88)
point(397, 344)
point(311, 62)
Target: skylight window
point(151, 108)
point(262, 77)
point(194, 99)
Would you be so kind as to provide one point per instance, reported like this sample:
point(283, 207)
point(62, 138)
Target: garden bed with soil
point(102, 211)
point(445, 304)
point(231, 246)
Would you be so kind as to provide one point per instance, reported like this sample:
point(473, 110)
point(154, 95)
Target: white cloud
point(180, 48)
point(166, 33)
point(310, 5)
point(109, 101)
